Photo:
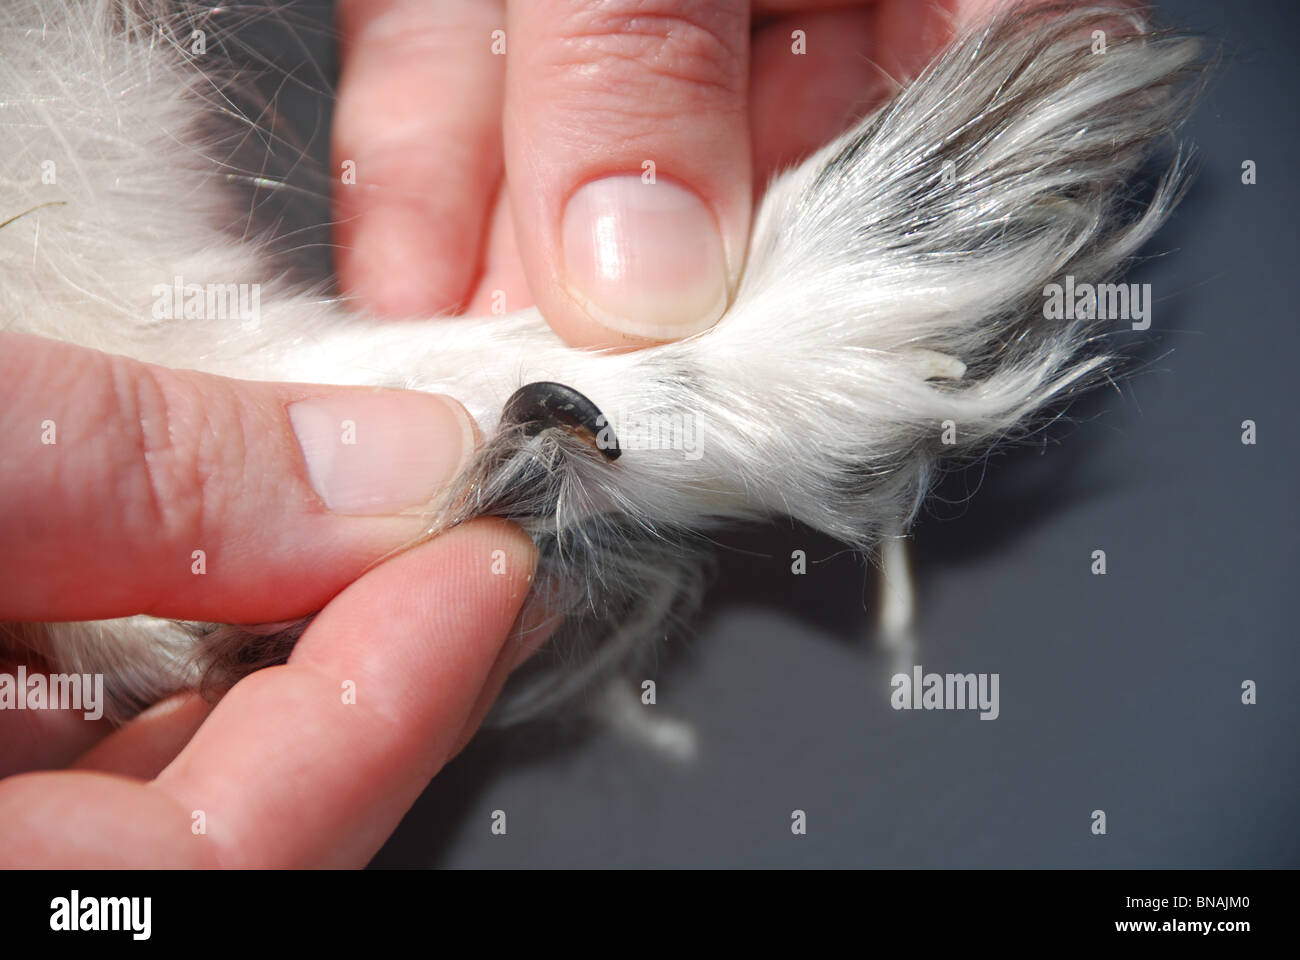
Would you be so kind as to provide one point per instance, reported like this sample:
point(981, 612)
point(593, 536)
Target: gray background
point(1119, 692)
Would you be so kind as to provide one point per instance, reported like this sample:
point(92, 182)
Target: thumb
point(628, 160)
point(128, 488)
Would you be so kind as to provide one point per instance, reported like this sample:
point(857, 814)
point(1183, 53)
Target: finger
point(502, 287)
point(419, 110)
point(813, 76)
point(531, 637)
point(909, 34)
point(819, 65)
point(317, 761)
point(43, 739)
point(627, 159)
point(144, 747)
point(130, 488)
point(82, 820)
point(284, 771)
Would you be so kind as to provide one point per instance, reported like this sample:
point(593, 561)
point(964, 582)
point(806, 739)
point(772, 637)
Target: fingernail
point(382, 453)
point(645, 259)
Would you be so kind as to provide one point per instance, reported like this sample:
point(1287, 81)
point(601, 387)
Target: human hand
point(713, 93)
point(151, 464)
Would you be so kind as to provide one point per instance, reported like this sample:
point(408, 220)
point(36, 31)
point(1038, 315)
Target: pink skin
point(150, 463)
point(464, 168)
point(466, 160)
point(284, 772)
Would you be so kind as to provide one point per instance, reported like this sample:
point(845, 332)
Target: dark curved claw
point(545, 405)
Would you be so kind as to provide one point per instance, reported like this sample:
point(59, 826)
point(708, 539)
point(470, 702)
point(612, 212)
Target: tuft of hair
point(894, 283)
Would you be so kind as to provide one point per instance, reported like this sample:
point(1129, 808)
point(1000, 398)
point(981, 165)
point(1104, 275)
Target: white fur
point(878, 299)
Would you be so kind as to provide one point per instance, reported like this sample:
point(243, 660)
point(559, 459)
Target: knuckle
point(176, 490)
point(640, 52)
